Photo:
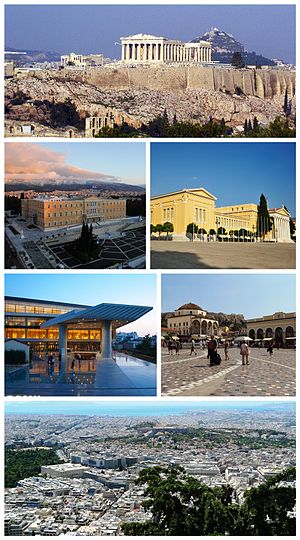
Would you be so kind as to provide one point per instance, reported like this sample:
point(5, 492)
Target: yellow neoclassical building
point(199, 206)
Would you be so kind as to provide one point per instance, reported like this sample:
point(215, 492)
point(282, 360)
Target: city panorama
point(222, 205)
point(156, 71)
point(163, 468)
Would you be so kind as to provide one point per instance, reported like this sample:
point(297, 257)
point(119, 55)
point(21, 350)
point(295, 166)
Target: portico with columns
point(281, 224)
point(150, 50)
point(106, 316)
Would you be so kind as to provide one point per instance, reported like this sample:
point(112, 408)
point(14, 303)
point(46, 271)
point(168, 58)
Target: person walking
point(79, 360)
point(226, 348)
point(270, 348)
point(244, 351)
point(193, 350)
point(211, 349)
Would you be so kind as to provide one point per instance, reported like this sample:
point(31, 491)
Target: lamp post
point(218, 222)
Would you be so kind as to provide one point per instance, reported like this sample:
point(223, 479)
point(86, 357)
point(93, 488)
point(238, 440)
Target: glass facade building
point(24, 317)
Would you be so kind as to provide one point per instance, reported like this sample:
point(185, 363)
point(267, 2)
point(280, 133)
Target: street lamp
point(218, 222)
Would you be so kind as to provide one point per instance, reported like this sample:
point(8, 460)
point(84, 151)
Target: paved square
point(185, 375)
point(221, 255)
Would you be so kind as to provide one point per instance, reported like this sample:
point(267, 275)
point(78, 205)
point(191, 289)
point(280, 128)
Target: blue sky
point(75, 161)
point(253, 295)
point(138, 407)
point(122, 160)
point(90, 289)
point(233, 172)
point(267, 29)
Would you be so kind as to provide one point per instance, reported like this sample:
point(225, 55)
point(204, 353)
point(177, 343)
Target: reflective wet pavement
point(123, 376)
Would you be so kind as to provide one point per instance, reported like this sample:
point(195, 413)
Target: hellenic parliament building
point(147, 49)
point(55, 212)
point(198, 206)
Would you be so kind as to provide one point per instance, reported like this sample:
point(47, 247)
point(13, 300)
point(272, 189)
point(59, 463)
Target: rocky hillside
point(224, 45)
point(137, 105)
point(232, 320)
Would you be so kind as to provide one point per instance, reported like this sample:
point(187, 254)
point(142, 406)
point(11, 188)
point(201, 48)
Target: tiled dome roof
point(191, 306)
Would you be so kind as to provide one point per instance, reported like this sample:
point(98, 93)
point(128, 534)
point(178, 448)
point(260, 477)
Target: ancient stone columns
point(144, 49)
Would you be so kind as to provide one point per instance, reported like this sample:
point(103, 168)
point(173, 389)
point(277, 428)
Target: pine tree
point(264, 224)
point(255, 124)
point(286, 107)
point(246, 126)
point(237, 60)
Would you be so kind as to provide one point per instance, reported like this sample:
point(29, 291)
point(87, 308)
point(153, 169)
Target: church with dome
point(192, 320)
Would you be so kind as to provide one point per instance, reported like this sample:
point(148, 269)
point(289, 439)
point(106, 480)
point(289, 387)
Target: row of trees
point(193, 228)
point(159, 228)
point(162, 127)
point(183, 506)
point(279, 129)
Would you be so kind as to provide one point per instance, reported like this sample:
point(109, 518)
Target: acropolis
point(147, 49)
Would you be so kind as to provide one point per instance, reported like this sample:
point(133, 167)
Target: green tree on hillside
point(237, 60)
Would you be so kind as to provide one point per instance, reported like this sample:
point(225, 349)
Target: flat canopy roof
point(101, 312)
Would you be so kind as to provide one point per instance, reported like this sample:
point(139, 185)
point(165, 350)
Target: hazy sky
point(267, 29)
point(140, 407)
point(235, 173)
point(253, 295)
point(79, 162)
point(91, 289)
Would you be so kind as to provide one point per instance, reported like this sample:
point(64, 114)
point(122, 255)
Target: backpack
point(216, 359)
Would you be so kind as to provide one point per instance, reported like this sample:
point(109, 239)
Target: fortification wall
point(264, 83)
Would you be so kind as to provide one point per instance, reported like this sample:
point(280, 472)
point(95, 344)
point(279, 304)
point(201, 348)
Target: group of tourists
point(174, 346)
point(51, 361)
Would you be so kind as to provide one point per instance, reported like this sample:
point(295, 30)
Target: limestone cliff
point(137, 95)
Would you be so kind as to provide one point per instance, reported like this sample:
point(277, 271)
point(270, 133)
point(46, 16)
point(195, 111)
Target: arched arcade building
point(280, 326)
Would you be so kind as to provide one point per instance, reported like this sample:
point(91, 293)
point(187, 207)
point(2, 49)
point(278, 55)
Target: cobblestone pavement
point(221, 255)
point(185, 375)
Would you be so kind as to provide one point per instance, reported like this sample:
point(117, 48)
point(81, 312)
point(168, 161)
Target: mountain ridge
point(224, 45)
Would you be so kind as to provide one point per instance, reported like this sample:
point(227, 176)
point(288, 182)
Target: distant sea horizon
point(138, 408)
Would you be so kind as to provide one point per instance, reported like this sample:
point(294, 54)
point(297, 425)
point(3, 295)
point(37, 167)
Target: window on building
point(14, 321)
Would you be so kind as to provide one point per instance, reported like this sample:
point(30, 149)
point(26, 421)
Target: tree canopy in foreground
point(184, 506)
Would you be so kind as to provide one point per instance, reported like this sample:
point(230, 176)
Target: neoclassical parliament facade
point(198, 206)
point(147, 49)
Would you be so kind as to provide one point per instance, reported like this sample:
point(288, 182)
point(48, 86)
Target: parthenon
point(147, 49)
